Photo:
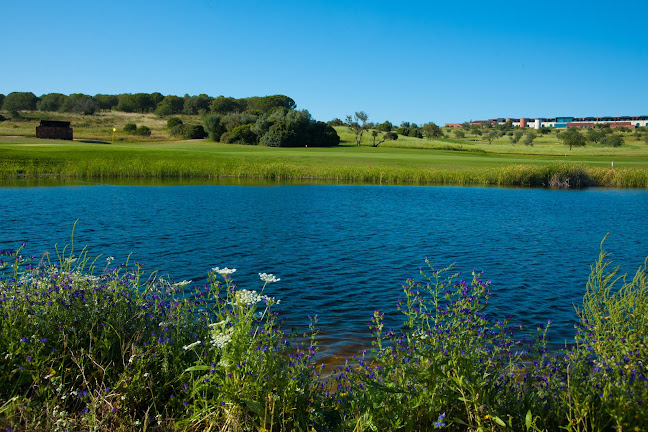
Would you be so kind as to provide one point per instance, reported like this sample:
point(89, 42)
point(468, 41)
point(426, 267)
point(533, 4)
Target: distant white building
point(629, 122)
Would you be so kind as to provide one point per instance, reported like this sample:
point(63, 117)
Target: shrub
point(130, 127)
point(612, 140)
point(143, 131)
point(391, 136)
point(193, 132)
point(214, 127)
point(240, 135)
point(459, 133)
point(173, 121)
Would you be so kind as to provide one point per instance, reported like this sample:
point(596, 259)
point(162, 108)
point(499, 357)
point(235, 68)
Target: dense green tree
point(130, 127)
point(405, 125)
point(492, 135)
point(240, 135)
point(106, 102)
point(196, 104)
point(391, 136)
point(156, 97)
point(431, 130)
point(214, 126)
point(515, 138)
point(529, 137)
point(19, 101)
point(225, 105)
point(573, 138)
point(266, 104)
point(403, 131)
point(80, 103)
point(292, 128)
point(170, 105)
point(612, 140)
point(358, 124)
point(465, 126)
point(138, 102)
point(594, 135)
point(51, 102)
point(415, 133)
point(335, 122)
point(193, 132)
point(458, 133)
point(385, 126)
point(375, 134)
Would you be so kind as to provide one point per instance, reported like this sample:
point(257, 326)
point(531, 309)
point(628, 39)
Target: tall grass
point(564, 175)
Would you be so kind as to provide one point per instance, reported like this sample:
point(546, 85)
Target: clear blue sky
point(418, 61)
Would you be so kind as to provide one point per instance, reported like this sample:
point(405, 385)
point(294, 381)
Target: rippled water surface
point(343, 251)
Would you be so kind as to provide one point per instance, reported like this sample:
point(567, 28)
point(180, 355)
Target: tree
point(1, 99)
point(196, 104)
point(266, 104)
point(51, 102)
point(517, 135)
point(375, 134)
point(224, 105)
point(573, 138)
point(170, 105)
point(19, 101)
point(214, 127)
point(106, 102)
point(415, 133)
point(335, 122)
point(594, 135)
point(130, 127)
point(240, 135)
point(391, 136)
point(385, 126)
point(358, 124)
point(492, 135)
point(612, 140)
point(529, 137)
point(458, 133)
point(81, 104)
point(431, 130)
point(465, 126)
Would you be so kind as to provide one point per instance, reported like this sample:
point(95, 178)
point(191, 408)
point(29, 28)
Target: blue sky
point(398, 61)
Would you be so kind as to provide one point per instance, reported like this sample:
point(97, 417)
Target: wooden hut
point(54, 129)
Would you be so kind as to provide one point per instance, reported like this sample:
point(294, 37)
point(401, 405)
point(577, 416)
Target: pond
point(343, 251)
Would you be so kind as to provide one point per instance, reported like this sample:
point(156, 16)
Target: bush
point(143, 131)
point(130, 127)
point(193, 132)
point(173, 121)
point(214, 127)
point(459, 134)
point(240, 135)
point(612, 140)
point(391, 136)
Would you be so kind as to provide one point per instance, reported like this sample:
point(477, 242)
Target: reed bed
point(558, 175)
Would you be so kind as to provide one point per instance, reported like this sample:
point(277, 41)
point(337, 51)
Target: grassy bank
point(87, 344)
point(95, 157)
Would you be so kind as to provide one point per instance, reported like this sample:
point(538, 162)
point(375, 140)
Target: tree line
point(157, 103)
point(267, 120)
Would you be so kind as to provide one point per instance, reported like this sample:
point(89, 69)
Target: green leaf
point(528, 419)
point(499, 421)
point(461, 422)
point(254, 406)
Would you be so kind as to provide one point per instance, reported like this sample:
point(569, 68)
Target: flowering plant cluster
point(84, 347)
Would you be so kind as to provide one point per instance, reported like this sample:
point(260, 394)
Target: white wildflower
point(268, 278)
point(248, 298)
point(191, 345)
point(183, 283)
point(220, 340)
point(223, 271)
point(70, 260)
point(110, 259)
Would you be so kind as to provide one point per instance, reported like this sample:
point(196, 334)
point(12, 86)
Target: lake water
point(343, 251)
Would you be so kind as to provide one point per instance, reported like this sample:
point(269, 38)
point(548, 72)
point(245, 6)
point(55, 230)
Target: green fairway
point(94, 156)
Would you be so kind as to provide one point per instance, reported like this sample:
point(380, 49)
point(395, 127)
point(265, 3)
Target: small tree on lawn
point(358, 124)
point(573, 138)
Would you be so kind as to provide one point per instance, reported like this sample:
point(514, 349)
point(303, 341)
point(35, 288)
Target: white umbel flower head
point(268, 278)
point(183, 283)
point(223, 271)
